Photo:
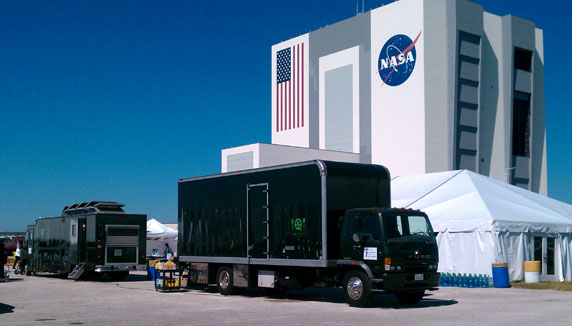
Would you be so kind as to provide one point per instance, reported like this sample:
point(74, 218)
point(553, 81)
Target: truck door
point(30, 246)
point(81, 240)
point(73, 253)
point(360, 236)
point(257, 219)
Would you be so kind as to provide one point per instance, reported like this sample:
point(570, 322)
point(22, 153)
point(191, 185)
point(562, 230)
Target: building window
point(522, 59)
point(521, 127)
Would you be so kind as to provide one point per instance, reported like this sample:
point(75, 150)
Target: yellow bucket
point(500, 265)
point(532, 266)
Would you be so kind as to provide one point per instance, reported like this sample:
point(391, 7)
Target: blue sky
point(117, 100)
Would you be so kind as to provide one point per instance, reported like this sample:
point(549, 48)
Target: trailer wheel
point(224, 281)
point(409, 297)
point(357, 289)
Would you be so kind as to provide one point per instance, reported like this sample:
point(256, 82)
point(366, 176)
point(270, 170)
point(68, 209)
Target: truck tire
point(357, 289)
point(224, 281)
point(409, 297)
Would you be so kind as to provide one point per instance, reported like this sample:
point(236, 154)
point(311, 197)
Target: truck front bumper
point(410, 281)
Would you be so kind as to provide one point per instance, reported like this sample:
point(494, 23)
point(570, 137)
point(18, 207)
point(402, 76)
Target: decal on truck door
point(370, 253)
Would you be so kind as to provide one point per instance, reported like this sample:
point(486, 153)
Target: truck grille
point(416, 268)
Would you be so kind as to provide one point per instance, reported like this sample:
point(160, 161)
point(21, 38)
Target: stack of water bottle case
point(466, 281)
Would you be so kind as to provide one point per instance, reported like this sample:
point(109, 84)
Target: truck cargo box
point(282, 215)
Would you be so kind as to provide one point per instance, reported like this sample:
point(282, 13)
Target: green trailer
point(94, 237)
point(309, 224)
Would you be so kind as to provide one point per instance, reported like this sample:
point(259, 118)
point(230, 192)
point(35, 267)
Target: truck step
point(77, 272)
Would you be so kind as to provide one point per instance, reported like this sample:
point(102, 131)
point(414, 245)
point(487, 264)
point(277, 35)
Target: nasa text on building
point(419, 86)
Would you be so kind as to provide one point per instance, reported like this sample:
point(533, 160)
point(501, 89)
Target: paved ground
point(54, 301)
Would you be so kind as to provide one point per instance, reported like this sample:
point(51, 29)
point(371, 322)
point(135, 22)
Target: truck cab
point(394, 250)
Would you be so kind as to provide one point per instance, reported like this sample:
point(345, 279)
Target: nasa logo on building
point(397, 59)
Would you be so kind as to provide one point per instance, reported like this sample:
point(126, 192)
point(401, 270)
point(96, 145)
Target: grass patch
point(560, 286)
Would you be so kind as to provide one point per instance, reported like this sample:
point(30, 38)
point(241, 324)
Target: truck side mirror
point(366, 236)
point(356, 237)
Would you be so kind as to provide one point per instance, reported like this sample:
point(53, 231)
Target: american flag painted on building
point(290, 88)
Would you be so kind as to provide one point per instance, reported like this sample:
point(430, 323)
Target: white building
point(418, 86)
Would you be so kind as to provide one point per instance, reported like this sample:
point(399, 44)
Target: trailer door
point(121, 244)
point(81, 240)
point(257, 219)
point(73, 252)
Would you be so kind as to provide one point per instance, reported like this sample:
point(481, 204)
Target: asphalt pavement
point(40, 300)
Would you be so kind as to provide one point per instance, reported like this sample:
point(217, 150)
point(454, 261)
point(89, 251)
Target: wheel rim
point(224, 279)
point(355, 288)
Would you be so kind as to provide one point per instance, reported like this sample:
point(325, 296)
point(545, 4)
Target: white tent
point(480, 221)
point(157, 235)
point(156, 229)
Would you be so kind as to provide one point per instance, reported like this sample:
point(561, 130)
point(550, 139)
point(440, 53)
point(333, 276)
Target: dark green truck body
point(281, 227)
point(103, 239)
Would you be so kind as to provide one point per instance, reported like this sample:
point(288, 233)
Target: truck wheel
point(409, 297)
point(357, 289)
point(224, 281)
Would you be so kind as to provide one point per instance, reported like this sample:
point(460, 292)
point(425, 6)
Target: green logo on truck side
point(298, 226)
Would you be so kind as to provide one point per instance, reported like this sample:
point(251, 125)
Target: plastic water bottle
point(455, 280)
point(471, 281)
point(464, 280)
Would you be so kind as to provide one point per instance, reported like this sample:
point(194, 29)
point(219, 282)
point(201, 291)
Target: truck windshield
point(397, 226)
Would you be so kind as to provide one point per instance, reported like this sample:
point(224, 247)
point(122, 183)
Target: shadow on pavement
point(14, 279)
point(6, 309)
point(331, 295)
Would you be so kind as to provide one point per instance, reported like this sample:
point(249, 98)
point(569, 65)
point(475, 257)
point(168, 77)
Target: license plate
point(419, 277)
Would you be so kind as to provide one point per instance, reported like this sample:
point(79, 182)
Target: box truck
point(95, 237)
point(310, 224)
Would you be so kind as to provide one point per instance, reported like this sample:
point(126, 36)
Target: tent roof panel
point(466, 201)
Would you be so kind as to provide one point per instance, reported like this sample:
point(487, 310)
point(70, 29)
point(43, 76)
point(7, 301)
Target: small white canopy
point(156, 229)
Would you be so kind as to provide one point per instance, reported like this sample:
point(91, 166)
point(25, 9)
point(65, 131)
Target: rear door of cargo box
point(121, 244)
